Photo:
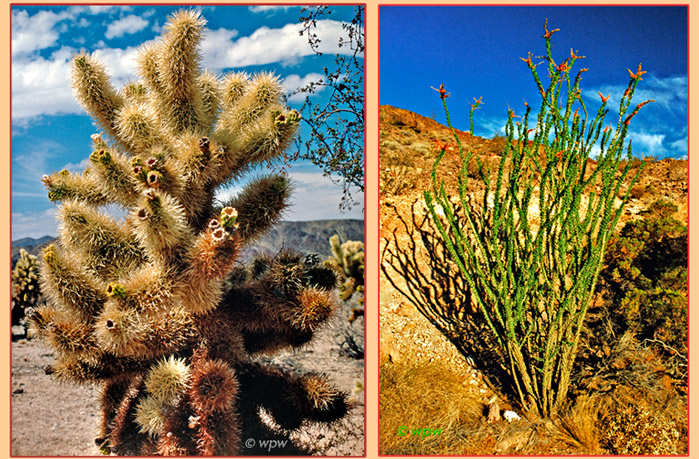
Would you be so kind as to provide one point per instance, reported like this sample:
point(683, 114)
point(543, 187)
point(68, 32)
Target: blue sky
point(475, 52)
point(51, 132)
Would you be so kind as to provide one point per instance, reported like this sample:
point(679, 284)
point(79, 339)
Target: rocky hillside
point(409, 148)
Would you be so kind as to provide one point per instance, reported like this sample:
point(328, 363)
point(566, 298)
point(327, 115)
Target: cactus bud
point(229, 217)
point(219, 235)
point(50, 254)
point(116, 290)
point(155, 178)
point(280, 120)
point(294, 116)
point(101, 156)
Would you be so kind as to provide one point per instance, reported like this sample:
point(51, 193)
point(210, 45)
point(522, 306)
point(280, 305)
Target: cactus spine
point(156, 309)
point(533, 281)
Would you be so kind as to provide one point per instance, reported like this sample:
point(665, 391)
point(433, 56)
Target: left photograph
point(187, 230)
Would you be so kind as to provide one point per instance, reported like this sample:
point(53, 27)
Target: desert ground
point(54, 419)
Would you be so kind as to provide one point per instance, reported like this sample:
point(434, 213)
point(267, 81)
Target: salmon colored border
point(693, 46)
point(371, 209)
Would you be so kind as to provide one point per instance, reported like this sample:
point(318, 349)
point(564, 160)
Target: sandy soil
point(53, 419)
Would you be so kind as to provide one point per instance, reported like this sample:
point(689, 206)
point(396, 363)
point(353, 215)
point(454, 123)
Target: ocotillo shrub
point(533, 281)
point(25, 285)
point(156, 309)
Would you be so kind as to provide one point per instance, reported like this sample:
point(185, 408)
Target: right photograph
point(533, 207)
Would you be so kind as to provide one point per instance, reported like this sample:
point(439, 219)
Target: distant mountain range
point(31, 242)
point(311, 237)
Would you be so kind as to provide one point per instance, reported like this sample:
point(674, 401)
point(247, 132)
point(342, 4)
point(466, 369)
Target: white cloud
point(41, 86)
point(668, 93)
point(37, 32)
point(107, 9)
point(266, 46)
point(79, 167)
point(488, 127)
point(680, 146)
point(121, 63)
point(647, 144)
point(294, 82)
point(127, 25)
point(29, 167)
point(215, 45)
point(267, 8)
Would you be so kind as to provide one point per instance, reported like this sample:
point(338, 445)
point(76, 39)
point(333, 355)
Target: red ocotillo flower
point(528, 60)
point(548, 33)
point(637, 75)
point(563, 67)
point(442, 92)
point(573, 55)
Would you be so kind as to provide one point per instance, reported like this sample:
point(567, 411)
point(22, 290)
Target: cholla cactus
point(155, 308)
point(348, 262)
point(25, 285)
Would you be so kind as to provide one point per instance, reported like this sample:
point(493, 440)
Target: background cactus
point(348, 262)
point(156, 308)
point(25, 285)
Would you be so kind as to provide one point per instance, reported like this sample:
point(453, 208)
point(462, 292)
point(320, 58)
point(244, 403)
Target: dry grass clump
point(626, 408)
point(425, 395)
point(637, 408)
point(578, 425)
point(432, 395)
